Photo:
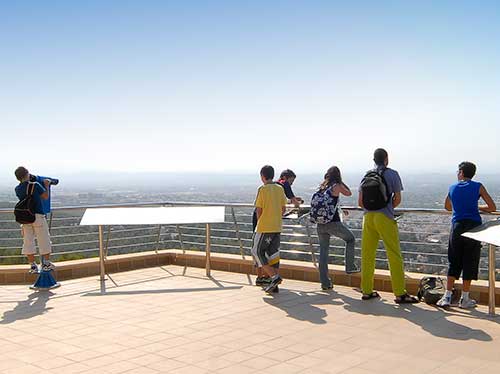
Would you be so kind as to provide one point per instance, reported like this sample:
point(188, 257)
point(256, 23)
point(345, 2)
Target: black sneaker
point(276, 290)
point(328, 288)
point(272, 285)
point(353, 270)
point(262, 281)
point(33, 268)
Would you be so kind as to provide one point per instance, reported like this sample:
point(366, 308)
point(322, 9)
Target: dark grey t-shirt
point(394, 184)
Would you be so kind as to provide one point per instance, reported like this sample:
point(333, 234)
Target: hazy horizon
point(420, 191)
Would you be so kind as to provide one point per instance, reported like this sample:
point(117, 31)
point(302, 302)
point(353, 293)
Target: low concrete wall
point(17, 274)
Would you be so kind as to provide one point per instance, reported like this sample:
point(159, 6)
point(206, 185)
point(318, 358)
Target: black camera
point(35, 178)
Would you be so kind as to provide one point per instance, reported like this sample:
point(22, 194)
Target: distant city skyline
point(221, 86)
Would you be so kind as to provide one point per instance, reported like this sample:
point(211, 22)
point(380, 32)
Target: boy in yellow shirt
point(270, 206)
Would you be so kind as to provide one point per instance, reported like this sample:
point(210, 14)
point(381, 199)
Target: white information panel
point(152, 216)
point(487, 233)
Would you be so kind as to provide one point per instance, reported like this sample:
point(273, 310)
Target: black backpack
point(431, 289)
point(374, 188)
point(24, 211)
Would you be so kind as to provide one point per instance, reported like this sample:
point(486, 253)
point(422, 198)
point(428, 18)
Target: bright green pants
point(378, 226)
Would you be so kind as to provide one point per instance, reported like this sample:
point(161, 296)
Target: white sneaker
point(467, 304)
point(445, 301)
point(48, 266)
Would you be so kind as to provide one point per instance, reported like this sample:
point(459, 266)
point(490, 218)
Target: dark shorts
point(266, 248)
point(463, 253)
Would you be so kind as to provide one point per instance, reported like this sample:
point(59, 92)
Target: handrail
point(234, 205)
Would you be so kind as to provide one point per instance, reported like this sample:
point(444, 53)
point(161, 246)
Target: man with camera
point(39, 189)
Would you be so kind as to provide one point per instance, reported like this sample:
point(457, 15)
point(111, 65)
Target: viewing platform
point(423, 234)
point(158, 311)
point(172, 319)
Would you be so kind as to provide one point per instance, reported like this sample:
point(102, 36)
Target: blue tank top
point(464, 197)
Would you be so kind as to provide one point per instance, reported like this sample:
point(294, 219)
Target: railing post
point(158, 239)
point(207, 250)
point(50, 221)
point(108, 235)
point(238, 234)
point(492, 279)
point(311, 247)
point(101, 256)
point(180, 239)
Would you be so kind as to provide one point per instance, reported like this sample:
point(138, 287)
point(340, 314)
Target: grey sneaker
point(444, 302)
point(467, 304)
point(273, 284)
point(33, 268)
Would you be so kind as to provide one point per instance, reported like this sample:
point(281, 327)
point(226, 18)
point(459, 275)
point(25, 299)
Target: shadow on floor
point(34, 305)
point(103, 291)
point(302, 305)
point(435, 322)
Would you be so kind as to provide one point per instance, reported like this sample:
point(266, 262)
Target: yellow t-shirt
point(271, 199)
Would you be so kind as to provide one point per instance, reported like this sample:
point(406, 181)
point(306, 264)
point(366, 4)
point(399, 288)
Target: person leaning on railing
point(379, 223)
point(38, 229)
point(464, 253)
point(286, 179)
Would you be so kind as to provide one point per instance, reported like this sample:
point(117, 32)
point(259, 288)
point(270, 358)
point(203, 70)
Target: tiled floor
point(159, 320)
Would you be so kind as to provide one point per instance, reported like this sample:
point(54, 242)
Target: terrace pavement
point(176, 320)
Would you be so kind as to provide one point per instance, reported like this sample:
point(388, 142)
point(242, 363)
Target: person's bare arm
point(396, 199)
point(296, 201)
point(345, 190)
point(490, 204)
point(341, 188)
point(283, 209)
point(447, 204)
point(360, 199)
point(259, 212)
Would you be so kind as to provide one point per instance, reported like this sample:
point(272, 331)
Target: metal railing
point(423, 234)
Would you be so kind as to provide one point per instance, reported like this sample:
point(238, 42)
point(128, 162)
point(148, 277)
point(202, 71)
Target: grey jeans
point(325, 231)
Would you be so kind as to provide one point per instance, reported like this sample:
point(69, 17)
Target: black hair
point(332, 176)
point(379, 156)
point(468, 169)
point(287, 173)
point(267, 172)
point(21, 173)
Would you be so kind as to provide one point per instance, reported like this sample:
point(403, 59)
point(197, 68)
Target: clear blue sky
point(232, 85)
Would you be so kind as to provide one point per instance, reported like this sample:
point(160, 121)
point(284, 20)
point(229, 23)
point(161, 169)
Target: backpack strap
point(28, 193)
point(380, 170)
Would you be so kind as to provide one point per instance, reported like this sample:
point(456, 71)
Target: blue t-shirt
point(464, 197)
point(22, 191)
point(288, 189)
point(394, 184)
point(46, 202)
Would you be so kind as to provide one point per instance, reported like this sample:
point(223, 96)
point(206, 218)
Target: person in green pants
point(379, 194)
